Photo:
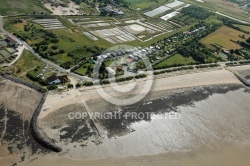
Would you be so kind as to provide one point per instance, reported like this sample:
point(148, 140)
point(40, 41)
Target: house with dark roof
point(57, 79)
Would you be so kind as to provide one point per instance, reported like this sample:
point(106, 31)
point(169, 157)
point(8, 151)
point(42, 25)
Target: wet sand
point(213, 128)
point(217, 154)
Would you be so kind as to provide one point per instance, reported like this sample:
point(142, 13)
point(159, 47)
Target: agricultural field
point(223, 6)
point(113, 35)
point(244, 27)
point(184, 19)
point(49, 24)
point(176, 59)
point(222, 38)
point(61, 46)
point(146, 4)
point(12, 7)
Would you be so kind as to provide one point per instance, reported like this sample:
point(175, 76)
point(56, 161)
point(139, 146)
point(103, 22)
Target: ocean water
point(206, 115)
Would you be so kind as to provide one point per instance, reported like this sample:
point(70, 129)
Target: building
point(110, 70)
point(57, 79)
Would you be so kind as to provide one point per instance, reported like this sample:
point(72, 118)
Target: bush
point(88, 84)
point(52, 87)
point(78, 85)
point(70, 86)
point(104, 82)
point(140, 76)
point(124, 79)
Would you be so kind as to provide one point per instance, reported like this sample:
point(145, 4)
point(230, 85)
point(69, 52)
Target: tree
point(70, 86)
point(231, 51)
point(52, 87)
point(78, 85)
point(248, 40)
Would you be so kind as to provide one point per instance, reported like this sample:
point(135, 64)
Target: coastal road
point(55, 66)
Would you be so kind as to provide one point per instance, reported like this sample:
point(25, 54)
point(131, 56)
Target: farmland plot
point(50, 23)
point(223, 38)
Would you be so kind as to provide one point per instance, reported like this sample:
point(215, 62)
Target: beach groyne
point(243, 80)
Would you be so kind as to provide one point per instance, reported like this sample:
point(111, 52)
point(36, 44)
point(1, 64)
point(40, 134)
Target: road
point(55, 66)
point(236, 19)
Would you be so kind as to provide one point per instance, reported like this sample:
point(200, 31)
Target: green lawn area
point(12, 7)
point(176, 59)
point(81, 71)
point(108, 63)
point(61, 58)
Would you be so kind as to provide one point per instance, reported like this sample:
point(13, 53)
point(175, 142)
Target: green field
point(29, 64)
point(83, 69)
point(12, 7)
point(244, 27)
point(176, 59)
point(223, 6)
point(61, 46)
point(26, 63)
point(222, 37)
point(146, 4)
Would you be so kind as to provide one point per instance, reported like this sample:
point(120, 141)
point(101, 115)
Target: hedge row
point(185, 68)
point(173, 70)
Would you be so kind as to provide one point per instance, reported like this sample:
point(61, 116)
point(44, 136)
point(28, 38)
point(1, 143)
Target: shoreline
point(169, 81)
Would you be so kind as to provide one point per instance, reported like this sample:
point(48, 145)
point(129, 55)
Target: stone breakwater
point(243, 80)
point(37, 135)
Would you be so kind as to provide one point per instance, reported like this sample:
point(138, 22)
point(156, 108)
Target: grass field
point(222, 37)
point(147, 4)
point(176, 59)
point(74, 43)
point(12, 7)
point(29, 64)
point(244, 27)
point(223, 6)
point(26, 63)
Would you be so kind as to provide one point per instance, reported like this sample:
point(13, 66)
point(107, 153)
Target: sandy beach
point(167, 82)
